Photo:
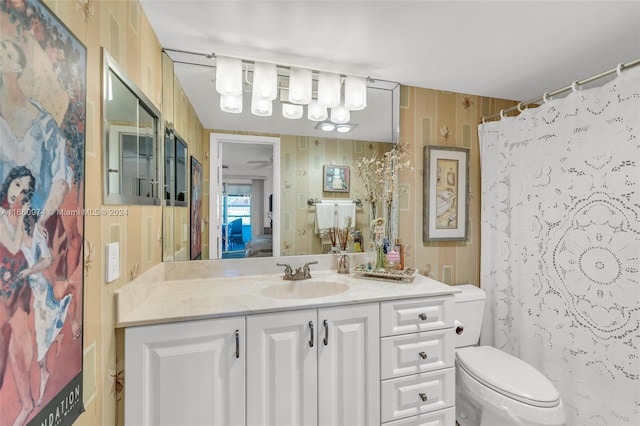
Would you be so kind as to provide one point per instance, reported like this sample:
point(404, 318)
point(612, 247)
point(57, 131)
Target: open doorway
point(244, 198)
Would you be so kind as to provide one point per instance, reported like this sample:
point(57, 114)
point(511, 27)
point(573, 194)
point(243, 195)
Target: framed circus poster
point(42, 130)
point(196, 209)
point(446, 194)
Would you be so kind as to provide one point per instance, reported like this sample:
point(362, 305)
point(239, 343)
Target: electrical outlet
point(112, 261)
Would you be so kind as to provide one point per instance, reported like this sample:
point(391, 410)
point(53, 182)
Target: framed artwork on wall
point(42, 170)
point(445, 207)
point(336, 178)
point(196, 209)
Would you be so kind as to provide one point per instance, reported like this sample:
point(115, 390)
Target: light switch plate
point(112, 264)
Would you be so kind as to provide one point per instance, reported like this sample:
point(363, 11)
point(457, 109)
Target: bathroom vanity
point(257, 350)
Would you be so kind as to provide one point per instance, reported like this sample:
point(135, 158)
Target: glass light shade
point(291, 111)
point(355, 93)
point(265, 81)
point(232, 104)
point(340, 115)
point(300, 86)
point(329, 85)
point(316, 112)
point(261, 107)
point(343, 128)
point(228, 76)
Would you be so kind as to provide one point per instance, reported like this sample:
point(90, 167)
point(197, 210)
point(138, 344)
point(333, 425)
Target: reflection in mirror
point(181, 172)
point(305, 150)
point(131, 150)
point(175, 214)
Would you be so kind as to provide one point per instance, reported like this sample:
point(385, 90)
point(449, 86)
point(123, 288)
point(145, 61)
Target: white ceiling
point(505, 49)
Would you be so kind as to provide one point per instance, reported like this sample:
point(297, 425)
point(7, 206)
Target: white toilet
point(494, 388)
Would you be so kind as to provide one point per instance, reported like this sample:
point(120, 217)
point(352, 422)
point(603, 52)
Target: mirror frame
point(110, 65)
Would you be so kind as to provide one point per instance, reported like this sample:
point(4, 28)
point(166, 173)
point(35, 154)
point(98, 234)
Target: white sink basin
point(304, 289)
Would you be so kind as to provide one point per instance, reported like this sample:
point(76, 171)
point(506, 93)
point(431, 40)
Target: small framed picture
point(446, 194)
point(336, 178)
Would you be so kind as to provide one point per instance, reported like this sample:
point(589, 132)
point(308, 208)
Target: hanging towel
point(325, 216)
point(345, 211)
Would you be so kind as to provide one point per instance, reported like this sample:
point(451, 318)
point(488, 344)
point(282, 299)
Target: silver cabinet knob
point(423, 317)
point(423, 396)
point(423, 355)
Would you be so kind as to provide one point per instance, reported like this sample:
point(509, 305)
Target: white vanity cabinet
point(314, 367)
point(417, 361)
point(377, 363)
point(186, 373)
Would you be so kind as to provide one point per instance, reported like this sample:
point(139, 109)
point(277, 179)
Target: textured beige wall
point(435, 117)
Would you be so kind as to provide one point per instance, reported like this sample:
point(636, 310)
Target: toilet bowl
point(494, 388)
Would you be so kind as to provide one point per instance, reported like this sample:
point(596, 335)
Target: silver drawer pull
point(423, 317)
point(423, 355)
point(423, 396)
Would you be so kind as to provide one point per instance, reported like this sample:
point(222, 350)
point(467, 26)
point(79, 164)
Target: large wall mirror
point(241, 172)
point(131, 159)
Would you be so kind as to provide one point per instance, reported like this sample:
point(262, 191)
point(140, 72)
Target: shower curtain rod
point(572, 86)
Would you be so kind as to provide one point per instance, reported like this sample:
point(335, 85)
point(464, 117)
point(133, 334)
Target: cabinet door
point(282, 369)
point(186, 373)
point(348, 365)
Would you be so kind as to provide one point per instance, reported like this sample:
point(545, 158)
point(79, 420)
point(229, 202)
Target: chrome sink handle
point(288, 272)
point(305, 269)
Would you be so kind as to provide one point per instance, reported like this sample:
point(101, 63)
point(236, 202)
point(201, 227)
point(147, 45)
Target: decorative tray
point(407, 275)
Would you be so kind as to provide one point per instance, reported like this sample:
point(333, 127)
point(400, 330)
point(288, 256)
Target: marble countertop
point(152, 299)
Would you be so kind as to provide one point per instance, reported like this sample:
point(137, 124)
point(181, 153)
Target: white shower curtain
point(561, 246)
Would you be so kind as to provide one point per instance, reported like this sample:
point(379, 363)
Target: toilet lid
point(508, 375)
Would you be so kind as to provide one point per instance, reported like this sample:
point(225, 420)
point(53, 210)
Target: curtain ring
point(545, 97)
point(520, 107)
point(501, 113)
point(574, 86)
point(619, 70)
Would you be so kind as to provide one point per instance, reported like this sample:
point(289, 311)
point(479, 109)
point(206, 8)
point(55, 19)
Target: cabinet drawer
point(416, 353)
point(446, 417)
point(417, 394)
point(416, 315)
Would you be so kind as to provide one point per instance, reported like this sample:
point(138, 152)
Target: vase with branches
point(380, 175)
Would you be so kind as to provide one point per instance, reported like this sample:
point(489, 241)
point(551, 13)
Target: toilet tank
point(469, 310)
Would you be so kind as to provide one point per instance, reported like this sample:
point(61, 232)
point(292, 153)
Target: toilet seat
point(508, 376)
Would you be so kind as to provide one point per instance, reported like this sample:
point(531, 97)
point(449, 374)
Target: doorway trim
point(215, 188)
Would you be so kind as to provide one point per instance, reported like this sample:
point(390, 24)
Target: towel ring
point(574, 86)
point(501, 113)
point(619, 70)
point(520, 107)
point(545, 97)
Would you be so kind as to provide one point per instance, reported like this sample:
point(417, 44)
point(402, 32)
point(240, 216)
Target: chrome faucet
point(301, 273)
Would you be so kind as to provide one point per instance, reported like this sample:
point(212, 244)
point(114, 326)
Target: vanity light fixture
point(300, 90)
point(232, 104)
point(355, 93)
point(340, 115)
point(316, 112)
point(329, 88)
point(292, 111)
point(260, 107)
point(265, 82)
point(228, 76)
point(300, 86)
